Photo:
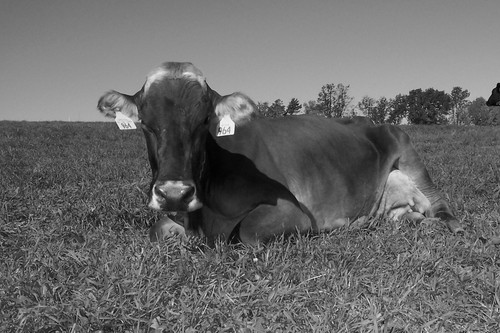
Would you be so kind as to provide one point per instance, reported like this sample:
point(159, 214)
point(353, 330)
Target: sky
point(57, 57)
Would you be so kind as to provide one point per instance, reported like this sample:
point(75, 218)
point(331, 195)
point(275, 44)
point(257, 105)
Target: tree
point(480, 114)
point(458, 103)
point(333, 100)
point(494, 118)
point(277, 109)
point(326, 99)
point(312, 107)
point(262, 108)
point(462, 115)
point(428, 107)
point(293, 107)
point(376, 110)
point(343, 100)
point(367, 106)
point(398, 109)
point(381, 111)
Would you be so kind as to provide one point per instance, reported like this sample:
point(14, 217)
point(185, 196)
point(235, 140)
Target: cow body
point(494, 99)
point(271, 176)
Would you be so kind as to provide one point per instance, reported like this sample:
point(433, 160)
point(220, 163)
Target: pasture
point(75, 254)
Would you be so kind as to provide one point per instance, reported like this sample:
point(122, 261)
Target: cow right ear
point(113, 101)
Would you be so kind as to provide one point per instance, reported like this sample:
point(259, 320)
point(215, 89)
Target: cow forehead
point(172, 70)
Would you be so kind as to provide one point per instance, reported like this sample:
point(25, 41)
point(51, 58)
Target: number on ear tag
point(226, 126)
point(124, 122)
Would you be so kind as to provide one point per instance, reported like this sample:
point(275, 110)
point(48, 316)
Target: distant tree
point(326, 99)
point(277, 109)
point(376, 110)
point(482, 115)
point(478, 112)
point(381, 111)
point(428, 107)
point(458, 103)
point(398, 109)
point(343, 100)
point(312, 107)
point(367, 105)
point(293, 107)
point(494, 115)
point(351, 112)
point(463, 117)
point(334, 100)
point(263, 108)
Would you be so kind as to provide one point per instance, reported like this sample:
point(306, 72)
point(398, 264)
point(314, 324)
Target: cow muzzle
point(174, 196)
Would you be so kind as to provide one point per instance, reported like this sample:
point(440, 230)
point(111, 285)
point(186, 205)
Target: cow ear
point(238, 106)
point(113, 101)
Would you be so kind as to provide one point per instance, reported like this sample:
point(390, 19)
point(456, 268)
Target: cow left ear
point(238, 106)
point(113, 101)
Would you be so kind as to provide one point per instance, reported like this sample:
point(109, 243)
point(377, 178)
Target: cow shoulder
point(388, 139)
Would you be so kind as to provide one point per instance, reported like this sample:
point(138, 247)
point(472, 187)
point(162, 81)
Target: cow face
point(495, 97)
point(173, 106)
point(177, 109)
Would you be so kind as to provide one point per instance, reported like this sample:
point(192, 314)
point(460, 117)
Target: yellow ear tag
point(226, 126)
point(124, 122)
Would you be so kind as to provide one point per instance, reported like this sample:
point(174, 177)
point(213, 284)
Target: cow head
point(177, 111)
point(495, 96)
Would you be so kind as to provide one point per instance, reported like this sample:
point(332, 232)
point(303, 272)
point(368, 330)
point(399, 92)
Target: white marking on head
point(174, 71)
point(196, 77)
point(156, 75)
point(154, 203)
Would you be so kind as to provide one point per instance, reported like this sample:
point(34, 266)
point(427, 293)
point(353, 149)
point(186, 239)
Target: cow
point(494, 99)
point(240, 177)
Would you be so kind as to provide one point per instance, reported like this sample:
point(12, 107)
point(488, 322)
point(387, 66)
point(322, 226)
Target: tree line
point(429, 106)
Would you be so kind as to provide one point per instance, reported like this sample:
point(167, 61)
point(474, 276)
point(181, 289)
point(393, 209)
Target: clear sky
point(57, 57)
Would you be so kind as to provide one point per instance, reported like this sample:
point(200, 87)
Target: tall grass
point(75, 256)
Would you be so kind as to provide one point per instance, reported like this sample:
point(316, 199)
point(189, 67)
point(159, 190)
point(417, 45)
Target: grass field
point(75, 255)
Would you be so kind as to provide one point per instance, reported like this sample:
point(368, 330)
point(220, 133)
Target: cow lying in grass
point(241, 177)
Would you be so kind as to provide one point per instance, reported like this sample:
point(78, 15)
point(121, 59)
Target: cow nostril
point(188, 194)
point(159, 192)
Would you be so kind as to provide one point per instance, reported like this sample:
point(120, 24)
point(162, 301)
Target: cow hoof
point(453, 225)
point(359, 222)
point(414, 217)
point(166, 227)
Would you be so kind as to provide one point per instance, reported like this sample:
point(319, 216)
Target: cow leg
point(410, 164)
point(266, 221)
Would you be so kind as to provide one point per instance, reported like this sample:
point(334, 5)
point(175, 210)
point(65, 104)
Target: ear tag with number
point(124, 122)
point(226, 126)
